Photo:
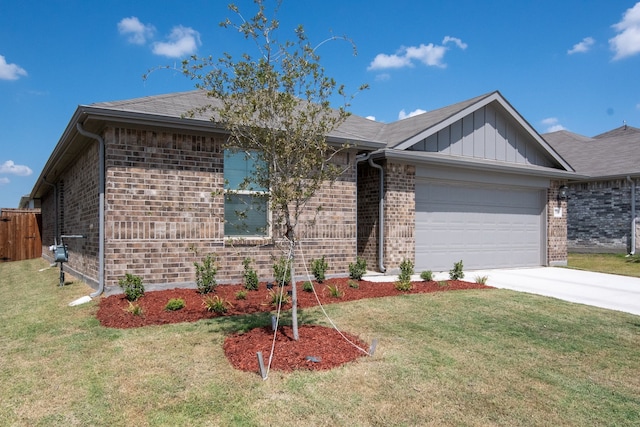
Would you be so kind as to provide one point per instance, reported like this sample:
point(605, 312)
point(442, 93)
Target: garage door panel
point(485, 227)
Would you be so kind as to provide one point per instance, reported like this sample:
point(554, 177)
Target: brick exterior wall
point(162, 212)
point(399, 214)
point(368, 214)
point(77, 214)
point(600, 216)
point(556, 227)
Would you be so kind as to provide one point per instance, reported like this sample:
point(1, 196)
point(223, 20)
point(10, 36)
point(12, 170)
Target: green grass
point(606, 263)
point(472, 358)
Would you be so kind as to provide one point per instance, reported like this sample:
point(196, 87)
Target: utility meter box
point(61, 254)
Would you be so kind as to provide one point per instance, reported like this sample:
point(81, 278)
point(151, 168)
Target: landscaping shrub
point(404, 278)
point(174, 304)
point(132, 286)
point(282, 271)
point(250, 275)
point(319, 268)
point(358, 269)
point(216, 304)
point(334, 292)
point(206, 274)
point(307, 286)
point(277, 298)
point(427, 276)
point(456, 272)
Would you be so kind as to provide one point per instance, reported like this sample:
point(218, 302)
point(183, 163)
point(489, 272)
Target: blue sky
point(566, 64)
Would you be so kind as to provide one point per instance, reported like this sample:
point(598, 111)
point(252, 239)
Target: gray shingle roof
point(613, 153)
point(397, 132)
point(355, 128)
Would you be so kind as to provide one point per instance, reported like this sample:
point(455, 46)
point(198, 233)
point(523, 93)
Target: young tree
point(276, 107)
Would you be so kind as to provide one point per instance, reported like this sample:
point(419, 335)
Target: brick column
point(556, 226)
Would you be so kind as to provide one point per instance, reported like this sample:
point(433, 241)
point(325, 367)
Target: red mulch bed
point(325, 345)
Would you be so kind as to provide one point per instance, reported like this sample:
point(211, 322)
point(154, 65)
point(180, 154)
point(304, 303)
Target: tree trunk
point(294, 298)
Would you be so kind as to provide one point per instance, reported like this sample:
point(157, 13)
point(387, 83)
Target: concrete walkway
point(609, 291)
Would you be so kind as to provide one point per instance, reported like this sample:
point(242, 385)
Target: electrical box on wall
point(557, 212)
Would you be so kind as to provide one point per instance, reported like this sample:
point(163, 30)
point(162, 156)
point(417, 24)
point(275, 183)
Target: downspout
point(381, 266)
point(633, 215)
point(101, 221)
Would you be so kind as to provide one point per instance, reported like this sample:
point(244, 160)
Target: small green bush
point(404, 278)
point(216, 304)
point(282, 271)
point(307, 286)
point(482, 280)
point(443, 283)
point(334, 292)
point(250, 275)
point(319, 268)
point(206, 274)
point(427, 276)
point(132, 286)
point(174, 304)
point(358, 269)
point(276, 298)
point(456, 272)
point(241, 295)
point(353, 284)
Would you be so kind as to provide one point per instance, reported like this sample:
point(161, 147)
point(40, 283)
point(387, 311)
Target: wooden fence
point(20, 234)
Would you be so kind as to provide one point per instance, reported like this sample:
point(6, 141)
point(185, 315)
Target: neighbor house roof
point(612, 154)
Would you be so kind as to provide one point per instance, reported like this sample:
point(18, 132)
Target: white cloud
point(382, 61)
point(137, 31)
point(10, 71)
point(431, 55)
point(582, 47)
point(627, 41)
point(4, 180)
point(403, 115)
point(182, 41)
point(372, 118)
point(10, 167)
point(552, 124)
point(455, 40)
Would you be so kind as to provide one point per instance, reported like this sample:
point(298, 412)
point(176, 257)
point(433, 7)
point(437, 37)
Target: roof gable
point(487, 128)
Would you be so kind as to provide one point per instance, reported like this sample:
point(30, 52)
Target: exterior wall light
point(563, 192)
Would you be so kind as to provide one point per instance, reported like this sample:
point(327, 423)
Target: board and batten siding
point(485, 134)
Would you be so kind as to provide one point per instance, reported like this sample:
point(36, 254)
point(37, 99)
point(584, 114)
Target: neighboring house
point(602, 205)
point(472, 182)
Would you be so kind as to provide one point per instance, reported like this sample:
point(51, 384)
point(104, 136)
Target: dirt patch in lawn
point(318, 347)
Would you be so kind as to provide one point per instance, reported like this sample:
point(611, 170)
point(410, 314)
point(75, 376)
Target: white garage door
point(486, 227)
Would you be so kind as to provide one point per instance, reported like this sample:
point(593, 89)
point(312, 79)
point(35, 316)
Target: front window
point(245, 203)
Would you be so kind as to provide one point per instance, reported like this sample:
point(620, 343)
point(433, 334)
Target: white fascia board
point(423, 158)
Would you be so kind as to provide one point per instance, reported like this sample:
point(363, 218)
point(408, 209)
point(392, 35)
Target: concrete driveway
point(597, 289)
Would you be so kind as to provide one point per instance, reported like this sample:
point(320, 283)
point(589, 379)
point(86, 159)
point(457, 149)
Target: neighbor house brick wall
point(77, 195)
point(600, 216)
point(556, 226)
point(164, 211)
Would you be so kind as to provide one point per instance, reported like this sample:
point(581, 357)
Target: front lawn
point(606, 263)
point(476, 358)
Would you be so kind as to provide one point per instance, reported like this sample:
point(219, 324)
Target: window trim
point(267, 235)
